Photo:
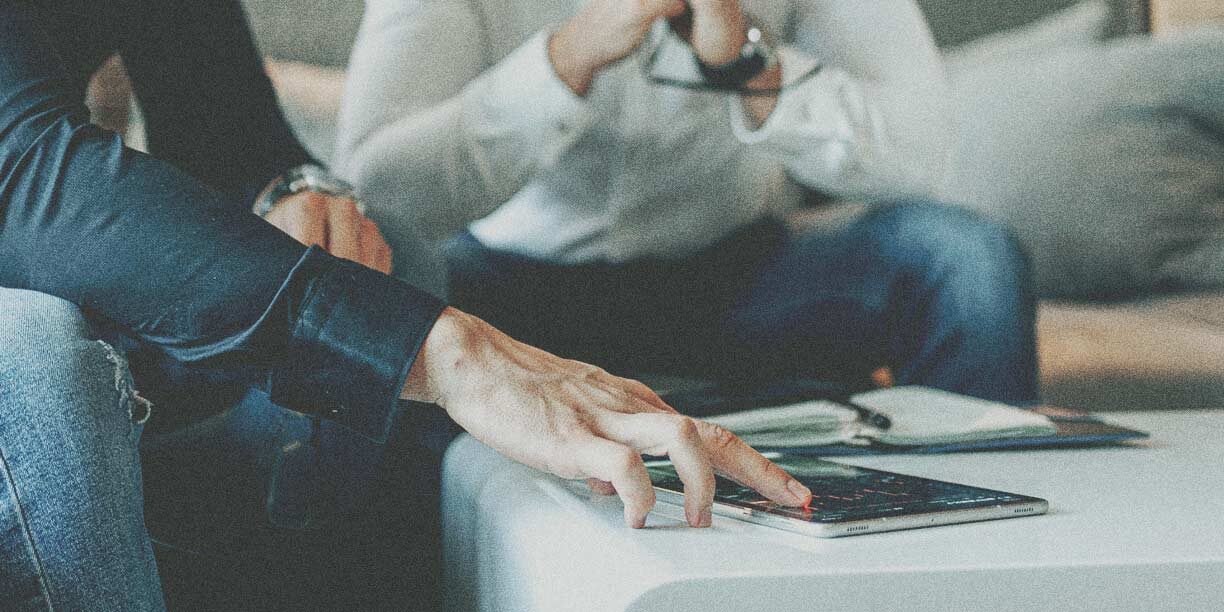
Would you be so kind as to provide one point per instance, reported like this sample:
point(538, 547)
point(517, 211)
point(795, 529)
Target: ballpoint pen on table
point(865, 414)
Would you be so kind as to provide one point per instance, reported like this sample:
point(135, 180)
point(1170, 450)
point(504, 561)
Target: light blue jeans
point(72, 533)
point(257, 508)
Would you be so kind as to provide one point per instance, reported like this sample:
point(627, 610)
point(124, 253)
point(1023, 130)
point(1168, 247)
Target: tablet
point(849, 500)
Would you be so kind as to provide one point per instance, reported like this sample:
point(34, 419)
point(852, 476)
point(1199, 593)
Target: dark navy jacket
point(164, 247)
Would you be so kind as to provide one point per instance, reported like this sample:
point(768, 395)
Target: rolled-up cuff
point(356, 337)
point(807, 104)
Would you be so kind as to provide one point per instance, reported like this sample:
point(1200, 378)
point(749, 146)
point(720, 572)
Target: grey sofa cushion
point(1082, 24)
point(1108, 161)
point(956, 22)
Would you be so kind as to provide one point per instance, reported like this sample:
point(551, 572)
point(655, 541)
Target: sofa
point(1157, 347)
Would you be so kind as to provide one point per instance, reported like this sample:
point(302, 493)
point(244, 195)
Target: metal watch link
point(307, 177)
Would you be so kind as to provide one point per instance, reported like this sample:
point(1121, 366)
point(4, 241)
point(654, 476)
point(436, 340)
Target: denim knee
point(949, 236)
point(71, 529)
point(48, 345)
point(976, 261)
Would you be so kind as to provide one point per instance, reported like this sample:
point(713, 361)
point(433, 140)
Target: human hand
point(716, 29)
point(577, 421)
point(334, 223)
point(603, 32)
point(717, 32)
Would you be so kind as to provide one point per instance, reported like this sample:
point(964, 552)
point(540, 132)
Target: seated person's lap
point(764, 304)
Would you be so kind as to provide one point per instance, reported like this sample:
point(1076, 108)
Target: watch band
point(755, 57)
point(307, 177)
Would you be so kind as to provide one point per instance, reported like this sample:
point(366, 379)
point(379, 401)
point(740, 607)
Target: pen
point(867, 415)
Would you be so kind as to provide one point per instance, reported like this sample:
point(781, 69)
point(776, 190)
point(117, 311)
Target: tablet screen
point(843, 493)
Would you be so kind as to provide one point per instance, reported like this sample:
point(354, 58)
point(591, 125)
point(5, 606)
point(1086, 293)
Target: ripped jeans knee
point(138, 408)
point(56, 372)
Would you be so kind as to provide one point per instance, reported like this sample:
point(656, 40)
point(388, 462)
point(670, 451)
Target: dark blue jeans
point(937, 294)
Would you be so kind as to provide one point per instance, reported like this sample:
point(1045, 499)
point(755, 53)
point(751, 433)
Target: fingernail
point(800, 492)
point(706, 519)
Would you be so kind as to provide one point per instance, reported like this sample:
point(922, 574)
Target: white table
point(1138, 528)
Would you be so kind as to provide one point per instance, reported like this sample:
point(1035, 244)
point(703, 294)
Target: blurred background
point(1094, 127)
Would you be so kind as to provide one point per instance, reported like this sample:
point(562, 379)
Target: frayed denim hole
point(139, 409)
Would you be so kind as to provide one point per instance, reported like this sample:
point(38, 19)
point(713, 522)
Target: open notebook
point(915, 419)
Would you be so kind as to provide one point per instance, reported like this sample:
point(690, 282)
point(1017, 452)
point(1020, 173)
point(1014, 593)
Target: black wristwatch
point(756, 56)
point(307, 177)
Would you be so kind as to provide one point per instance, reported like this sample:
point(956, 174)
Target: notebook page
point(921, 415)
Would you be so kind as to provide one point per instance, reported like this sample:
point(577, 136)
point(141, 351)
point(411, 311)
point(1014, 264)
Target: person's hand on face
point(605, 31)
point(602, 33)
point(334, 223)
point(716, 29)
point(577, 421)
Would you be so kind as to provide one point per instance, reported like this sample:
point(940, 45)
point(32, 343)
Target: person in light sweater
point(608, 179)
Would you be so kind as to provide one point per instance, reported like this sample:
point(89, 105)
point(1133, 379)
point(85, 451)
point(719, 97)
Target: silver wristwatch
point(307, 177)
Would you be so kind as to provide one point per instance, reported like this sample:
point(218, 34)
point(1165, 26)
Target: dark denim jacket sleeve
point(155, 252)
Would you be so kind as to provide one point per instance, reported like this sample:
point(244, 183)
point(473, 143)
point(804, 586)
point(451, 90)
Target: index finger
point(742, 463)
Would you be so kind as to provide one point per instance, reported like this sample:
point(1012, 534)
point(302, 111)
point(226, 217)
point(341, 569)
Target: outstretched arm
point(146, 246)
